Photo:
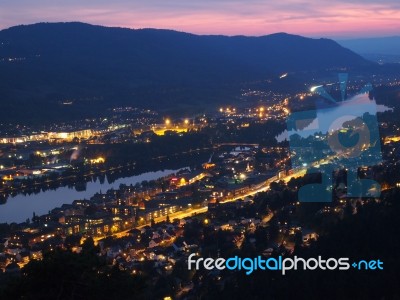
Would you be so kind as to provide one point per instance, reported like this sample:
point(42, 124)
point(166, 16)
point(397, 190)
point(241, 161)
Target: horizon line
point(332, 37)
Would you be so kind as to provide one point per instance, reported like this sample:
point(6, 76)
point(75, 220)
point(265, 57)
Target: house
point(4, 242)
point(4, 260)
point(155, 242)
point(23, 256)
point(224, 226)
point(156, 235)
point(144, 229)
point(166, 237)
point(309, 235)
point(13, 250)
point(36, 253)
point(136, 249)
point(126, 242)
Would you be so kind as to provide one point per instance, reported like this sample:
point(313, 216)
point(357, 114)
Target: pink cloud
point(313, 18)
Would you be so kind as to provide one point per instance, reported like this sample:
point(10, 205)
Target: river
point(19, 208)
point(325, 118)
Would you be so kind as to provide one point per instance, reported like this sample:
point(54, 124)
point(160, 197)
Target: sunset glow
point(354, 18)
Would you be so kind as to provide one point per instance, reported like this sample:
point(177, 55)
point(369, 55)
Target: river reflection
point(19, 208)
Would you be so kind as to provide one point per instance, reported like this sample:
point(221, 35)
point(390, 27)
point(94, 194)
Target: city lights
point(98, 160)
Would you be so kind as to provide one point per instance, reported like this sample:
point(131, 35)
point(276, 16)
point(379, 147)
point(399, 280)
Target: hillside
point(94, 67)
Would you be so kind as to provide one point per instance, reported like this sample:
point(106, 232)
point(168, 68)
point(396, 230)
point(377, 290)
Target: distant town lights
point(98, 160)
point(283, 75)
point(314, 88)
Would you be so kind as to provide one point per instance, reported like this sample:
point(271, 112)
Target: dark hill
point(97, 67)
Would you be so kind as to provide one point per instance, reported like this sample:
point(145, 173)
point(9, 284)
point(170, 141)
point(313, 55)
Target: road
point(190, 212)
